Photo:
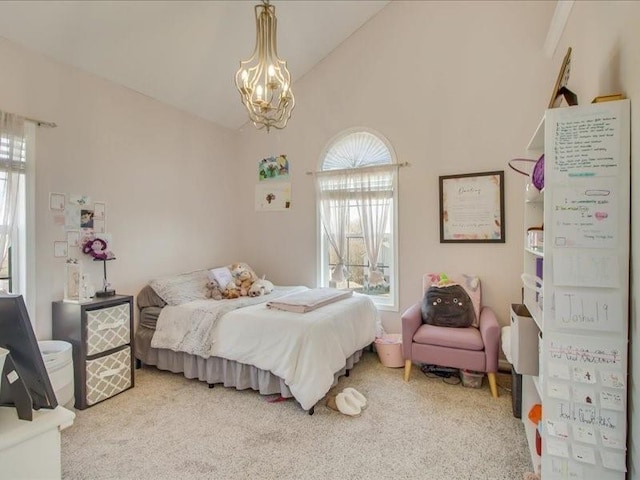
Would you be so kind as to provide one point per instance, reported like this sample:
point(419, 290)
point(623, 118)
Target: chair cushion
point(459, 338)
point(470, 283)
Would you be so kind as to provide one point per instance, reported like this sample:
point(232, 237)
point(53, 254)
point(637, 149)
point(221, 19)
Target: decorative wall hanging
point(472, 208)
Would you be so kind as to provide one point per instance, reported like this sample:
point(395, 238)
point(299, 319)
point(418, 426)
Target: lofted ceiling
point(183, 53)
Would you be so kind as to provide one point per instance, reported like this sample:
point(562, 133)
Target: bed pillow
point(470, 283)
point(183, 288)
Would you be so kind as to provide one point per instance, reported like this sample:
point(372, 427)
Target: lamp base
point(105, 293)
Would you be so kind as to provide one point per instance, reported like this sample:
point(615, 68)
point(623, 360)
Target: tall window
point(357, 200)
point(16, 209)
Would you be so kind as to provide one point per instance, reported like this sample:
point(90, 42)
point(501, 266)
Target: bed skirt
point(216, 370)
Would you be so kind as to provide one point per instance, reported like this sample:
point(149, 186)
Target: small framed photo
point(60, 249)
point(99, 210)
point(56, 201)
point(472, 208)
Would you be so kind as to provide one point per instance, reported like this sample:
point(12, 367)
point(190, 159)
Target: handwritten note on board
point(586, 352)
point(587, 146)
point(580, 309)
point(586, 216)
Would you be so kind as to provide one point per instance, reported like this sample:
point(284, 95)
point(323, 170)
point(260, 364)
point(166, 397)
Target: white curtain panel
point(12, 169)
point(333, 197)
point(376, 195)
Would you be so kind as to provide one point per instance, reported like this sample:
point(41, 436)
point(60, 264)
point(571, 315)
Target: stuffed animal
point(243, 277)
point(213, 290)
point(260, 287)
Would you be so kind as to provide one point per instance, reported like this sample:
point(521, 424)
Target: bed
point(243, 343)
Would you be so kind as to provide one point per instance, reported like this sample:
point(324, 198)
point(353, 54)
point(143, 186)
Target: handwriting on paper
point(557, 428)
point(583, 453)
point(588, 310)
point(586, 217)
point(587, 415)
point(611, 399)
point(587, 146)
point(612, 439)
point(585, 350)
point(584, 434)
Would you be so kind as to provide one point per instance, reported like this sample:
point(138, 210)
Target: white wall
point(456, 88)
point(604, 37)
point(166, 176)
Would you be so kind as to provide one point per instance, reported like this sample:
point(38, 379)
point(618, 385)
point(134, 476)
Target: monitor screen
point(17, 336)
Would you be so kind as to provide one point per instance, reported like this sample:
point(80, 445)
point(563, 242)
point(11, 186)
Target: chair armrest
point(411, 321)
point(490, 332)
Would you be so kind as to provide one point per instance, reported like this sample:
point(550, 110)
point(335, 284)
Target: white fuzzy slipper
point(346, 404)
point(357, 397)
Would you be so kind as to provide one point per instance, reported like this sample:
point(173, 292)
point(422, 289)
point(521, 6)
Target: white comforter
point(304, 349)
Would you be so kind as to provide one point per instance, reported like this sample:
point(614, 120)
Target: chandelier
point(263, 81)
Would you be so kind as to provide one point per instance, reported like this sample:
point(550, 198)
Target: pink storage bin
point(389, 348)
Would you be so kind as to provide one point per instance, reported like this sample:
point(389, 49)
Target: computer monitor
point(17, 336)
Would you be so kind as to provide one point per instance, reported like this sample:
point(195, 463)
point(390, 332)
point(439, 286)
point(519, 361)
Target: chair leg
point(407, 370)
point(493, 384)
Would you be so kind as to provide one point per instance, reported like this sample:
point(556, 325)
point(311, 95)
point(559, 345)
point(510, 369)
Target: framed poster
point(472, 208)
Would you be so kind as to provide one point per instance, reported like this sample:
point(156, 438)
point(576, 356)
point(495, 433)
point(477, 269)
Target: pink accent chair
point(468, 348)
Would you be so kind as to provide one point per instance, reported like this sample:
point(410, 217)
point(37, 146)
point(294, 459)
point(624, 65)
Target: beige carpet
point(169, 427)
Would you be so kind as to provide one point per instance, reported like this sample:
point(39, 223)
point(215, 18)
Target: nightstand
point(101, 333)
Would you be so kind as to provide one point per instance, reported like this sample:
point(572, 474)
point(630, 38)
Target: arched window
point(357, 201)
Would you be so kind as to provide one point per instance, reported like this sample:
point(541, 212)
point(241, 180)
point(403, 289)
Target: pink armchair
point(466, 348)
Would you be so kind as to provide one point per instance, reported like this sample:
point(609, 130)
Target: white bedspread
point(304, 349)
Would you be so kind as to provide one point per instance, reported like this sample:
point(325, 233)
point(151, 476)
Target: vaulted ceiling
point(183, 53)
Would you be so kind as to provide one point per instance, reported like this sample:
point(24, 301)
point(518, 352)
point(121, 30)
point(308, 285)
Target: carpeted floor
point(168, 427)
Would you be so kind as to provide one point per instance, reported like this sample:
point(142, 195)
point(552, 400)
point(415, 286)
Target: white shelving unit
point(533, 218)
point(582, 316)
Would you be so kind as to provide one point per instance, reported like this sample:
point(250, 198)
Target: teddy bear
point(213, 290)
point(243, 277)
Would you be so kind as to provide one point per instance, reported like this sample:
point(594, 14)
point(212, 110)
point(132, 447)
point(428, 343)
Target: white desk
point(31, 450)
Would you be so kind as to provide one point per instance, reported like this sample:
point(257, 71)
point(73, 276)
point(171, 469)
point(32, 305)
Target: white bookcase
point(582, 379)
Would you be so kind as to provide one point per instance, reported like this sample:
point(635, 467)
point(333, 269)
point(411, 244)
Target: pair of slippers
point(349, 402)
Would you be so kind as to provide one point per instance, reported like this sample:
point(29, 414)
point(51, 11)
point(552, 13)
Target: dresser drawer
point(108, 375)
point(107, 328)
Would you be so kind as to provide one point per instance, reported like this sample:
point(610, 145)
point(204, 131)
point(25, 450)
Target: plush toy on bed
point(260, 287)
point(213, 290)
point(243, 277)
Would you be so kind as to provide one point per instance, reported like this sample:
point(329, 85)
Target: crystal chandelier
point(263, 81)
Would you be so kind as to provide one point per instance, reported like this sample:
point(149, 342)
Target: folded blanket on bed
point(309, 300)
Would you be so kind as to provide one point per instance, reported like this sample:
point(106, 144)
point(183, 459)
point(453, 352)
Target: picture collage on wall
point(80, 219)
point(273, 192)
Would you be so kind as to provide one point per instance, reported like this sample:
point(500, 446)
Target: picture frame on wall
point(472, 208)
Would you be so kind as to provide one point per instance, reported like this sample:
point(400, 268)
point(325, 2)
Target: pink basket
point(389, 348)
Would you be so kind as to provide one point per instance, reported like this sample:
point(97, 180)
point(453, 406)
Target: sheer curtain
point(374, 190)
point(12, 169)
point(333, 197)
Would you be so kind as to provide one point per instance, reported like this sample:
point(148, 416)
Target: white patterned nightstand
point(101, 332)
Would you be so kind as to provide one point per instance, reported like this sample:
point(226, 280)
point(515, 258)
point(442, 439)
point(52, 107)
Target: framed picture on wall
point(472, 208)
